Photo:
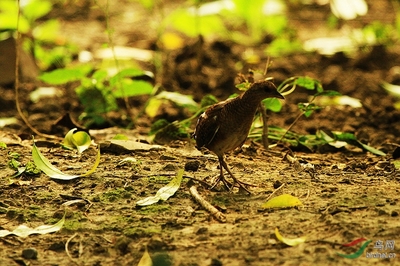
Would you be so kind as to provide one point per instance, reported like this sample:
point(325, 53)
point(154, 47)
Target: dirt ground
point(349, 194)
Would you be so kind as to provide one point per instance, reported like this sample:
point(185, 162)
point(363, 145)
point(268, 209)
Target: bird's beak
point(279, 96)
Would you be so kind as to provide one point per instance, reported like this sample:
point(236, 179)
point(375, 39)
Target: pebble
point(192, 166)
point(29, 253)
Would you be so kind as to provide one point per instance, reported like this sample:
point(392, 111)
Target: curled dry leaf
point(289, 241)
point(77, 140)
point(24, 231)
point(165, 192)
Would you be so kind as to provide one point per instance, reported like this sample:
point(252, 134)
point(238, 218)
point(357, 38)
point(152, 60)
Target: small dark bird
point(225, 126)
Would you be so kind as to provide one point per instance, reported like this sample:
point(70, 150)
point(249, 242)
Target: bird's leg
point(240, 183)
point(221, 177)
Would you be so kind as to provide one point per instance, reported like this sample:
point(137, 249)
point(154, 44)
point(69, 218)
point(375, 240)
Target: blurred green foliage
point(40, 36)
point(97, 90)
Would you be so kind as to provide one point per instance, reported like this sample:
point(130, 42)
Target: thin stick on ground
point(276, 190)
point(206, 205)
point(67, 250)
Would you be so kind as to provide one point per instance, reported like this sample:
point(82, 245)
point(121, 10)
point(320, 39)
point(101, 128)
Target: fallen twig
point(67, 250)
point(206, 205)
point(276, 190)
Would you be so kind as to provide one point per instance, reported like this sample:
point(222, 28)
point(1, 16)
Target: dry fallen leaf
point(282, 201)
point(289, 241)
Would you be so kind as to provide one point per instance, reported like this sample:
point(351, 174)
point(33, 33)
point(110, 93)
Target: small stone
point(202, 230)
point(215, 262)
point(29, 253)
point(277, 184)
point(192, 166)
point(169, 167)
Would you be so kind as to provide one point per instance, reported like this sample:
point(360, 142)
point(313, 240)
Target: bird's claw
point(229, 186)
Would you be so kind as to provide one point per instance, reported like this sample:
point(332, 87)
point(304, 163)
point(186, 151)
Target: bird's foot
point(229, 186)
point(220, 178)
point(242, 185)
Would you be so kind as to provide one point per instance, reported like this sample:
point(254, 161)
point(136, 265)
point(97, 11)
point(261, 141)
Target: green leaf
point(208, 100)
point(36, 9)
point(128, 73)
point(165, 192)
point(309, 83)
point(24, 231)
point(47, 31)
point(100, 75)
point(31, 168)
point(371, 149)
point(345, 136)
point(43, 164)
point(192, 25)
point(9, 16)
point(328, 93)
point(181, 100)
point(62, 76)
point(132, 88)
point(19, 172)
point(96, 100)
point(46, 167)
point(352, 139)
point(3, 145)
point(14, 164)
point(283, 46)
point(305, 82)
point(272, 104)
point(308, 108)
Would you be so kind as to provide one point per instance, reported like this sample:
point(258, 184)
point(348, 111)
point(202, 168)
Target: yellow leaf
point(289, 241)
point(282, 201)
point(152, 107)
point(146, 259)
point(171, 41)
point(94, 167)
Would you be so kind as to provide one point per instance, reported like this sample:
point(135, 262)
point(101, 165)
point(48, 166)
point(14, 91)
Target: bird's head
point(263, 89)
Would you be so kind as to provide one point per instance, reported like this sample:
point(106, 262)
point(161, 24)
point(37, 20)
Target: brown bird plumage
point(225, 126)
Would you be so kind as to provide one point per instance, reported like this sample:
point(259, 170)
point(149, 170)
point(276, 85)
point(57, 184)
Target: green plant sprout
point(287, 87)
point(97, 91)
point(335, 139)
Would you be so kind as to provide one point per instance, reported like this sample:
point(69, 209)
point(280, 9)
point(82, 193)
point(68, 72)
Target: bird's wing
point(208, 125)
